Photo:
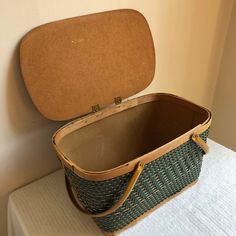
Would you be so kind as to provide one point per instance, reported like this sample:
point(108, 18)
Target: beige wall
point(223, 128)
point(188, 35)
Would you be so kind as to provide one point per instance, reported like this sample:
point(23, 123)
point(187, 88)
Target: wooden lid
point(70, 65)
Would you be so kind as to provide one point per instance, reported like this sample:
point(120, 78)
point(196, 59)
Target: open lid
point(70, 65)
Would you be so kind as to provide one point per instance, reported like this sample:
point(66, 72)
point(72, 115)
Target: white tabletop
point(208, 208)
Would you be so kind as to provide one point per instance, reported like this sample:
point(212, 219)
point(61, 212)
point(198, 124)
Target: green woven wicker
point(159, 180)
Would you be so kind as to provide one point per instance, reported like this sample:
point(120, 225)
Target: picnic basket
point(122, 157)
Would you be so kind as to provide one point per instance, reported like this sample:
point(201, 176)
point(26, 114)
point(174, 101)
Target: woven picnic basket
point(122, 159)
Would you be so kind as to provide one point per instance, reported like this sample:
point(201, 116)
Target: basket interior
point(126, 135)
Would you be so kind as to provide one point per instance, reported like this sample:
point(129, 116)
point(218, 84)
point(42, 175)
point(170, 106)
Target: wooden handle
point(138, 170)
point(200, 142)
point(132, 182)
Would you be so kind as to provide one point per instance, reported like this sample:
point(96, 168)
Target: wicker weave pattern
point(159, 180)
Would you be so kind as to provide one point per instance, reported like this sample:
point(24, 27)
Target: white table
point(208, 208)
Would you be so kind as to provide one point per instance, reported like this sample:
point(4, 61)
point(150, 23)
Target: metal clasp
point(95, 108)
point(118, 100)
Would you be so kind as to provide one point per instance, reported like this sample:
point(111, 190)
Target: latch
point(95, 108)
point(118, 100)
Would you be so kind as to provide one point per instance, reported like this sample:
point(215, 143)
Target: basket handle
point(132, 182)
point(200, 142)
point(138, 170)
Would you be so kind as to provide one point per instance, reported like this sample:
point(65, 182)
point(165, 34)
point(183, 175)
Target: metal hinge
point(95, 108)
point(118, 100)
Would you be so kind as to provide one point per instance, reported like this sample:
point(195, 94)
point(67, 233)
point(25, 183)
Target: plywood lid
point(70, 65)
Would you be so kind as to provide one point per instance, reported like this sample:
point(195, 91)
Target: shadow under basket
point(126, 160)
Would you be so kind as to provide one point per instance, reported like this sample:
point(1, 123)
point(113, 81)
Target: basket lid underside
point(68, 66)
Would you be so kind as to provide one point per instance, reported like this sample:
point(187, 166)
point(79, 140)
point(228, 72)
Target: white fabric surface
point(208, 208)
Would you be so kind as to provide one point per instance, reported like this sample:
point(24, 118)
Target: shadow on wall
point(23, 115)
point(211, 39)
point(30, 130)
point(29, 154)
